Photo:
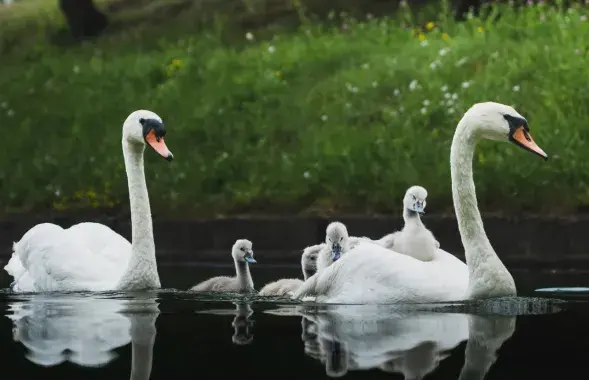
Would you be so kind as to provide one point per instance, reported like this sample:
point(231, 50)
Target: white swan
point(414, 239)
point(286, 286)
point(91, 256)
point(372, 274)
point(243, 255)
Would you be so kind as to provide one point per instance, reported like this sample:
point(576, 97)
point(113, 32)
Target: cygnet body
point(414, 239)
point(243, 255)
point(287, 286)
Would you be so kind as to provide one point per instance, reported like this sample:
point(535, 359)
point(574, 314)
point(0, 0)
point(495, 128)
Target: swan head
point(146, 127)
point(336, 238)
point(415, 199)
point(242, 251)
point(496, 121)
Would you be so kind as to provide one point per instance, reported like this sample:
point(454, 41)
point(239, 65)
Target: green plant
point(328, 118)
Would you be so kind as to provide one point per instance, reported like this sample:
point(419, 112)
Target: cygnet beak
point(418, 207)
point(248, 257)
point(336, 252)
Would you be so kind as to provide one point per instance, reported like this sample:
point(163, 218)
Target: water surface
point(170, 333)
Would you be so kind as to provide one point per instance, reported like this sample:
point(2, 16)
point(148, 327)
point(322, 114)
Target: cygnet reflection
point(85, 330)
point(242, 322)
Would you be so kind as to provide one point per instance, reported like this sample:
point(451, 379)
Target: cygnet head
point(496, 121)
point(415, 199)
point(242, 251)
point(143, 127)
point(336, 238)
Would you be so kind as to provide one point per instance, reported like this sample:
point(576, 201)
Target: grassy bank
point(328, 118)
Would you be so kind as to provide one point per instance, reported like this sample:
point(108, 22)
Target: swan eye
point(242, 249)
point(414, 197)
point(342, 238)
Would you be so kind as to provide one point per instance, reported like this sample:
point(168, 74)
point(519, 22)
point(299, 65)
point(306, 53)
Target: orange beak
point(158, 144)
point(522, 138)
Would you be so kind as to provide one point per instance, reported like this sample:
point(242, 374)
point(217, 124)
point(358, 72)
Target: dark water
point(181, 335)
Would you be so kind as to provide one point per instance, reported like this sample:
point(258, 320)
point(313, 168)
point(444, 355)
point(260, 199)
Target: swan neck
point(242, 269)
point(141, 271)
point(487, 274)
point(411, 218)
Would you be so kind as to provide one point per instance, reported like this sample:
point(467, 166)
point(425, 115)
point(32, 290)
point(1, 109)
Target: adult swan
point(91, 256)
point(372, 274)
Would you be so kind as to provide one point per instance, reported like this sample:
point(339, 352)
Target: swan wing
point(57, 260)
point(100, 239)
point(373, 274)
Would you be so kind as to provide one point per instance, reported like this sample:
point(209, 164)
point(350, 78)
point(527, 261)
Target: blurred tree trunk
point(82, 17)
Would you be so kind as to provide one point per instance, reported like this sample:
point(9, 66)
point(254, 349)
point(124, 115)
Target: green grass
point(318, 120)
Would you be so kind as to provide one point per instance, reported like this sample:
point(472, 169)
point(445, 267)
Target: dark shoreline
point(530, 241)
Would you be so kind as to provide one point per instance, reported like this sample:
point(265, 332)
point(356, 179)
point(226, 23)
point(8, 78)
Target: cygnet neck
point(242, 269)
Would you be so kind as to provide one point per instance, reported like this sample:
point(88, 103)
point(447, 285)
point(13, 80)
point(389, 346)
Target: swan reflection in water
point(85, 329)
point(242, 322)
point(396, 340)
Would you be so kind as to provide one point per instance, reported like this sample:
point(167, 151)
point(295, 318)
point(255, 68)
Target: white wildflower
point(365, 66)
point(324, 117)
point(451, 110)
point(426, 103)
point(10, 113)
point(444, 88)
point(4, 105)
point(76, 69)
point(516, 88)
point(466, 84)
point(423, 110)
point(306, 175)
point(424, 43)
point(454, 96)
point(461, 62)
point(444, 51)
point(374, 84)
point(447, 95)
point(271, 49)
point(396, 92)
point(249, 36)
point(414, 84)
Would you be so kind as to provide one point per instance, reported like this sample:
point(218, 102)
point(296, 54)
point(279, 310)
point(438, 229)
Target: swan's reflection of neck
point(86, 329)
point(242, 325)
point(487, 335)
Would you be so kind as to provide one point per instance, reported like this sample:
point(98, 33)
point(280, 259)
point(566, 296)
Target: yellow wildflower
point(91, 194)
point(421, 37)
point(277, 74)
point(445, 37)
point(430, 25)
point(176, 63)
point(480, 29)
